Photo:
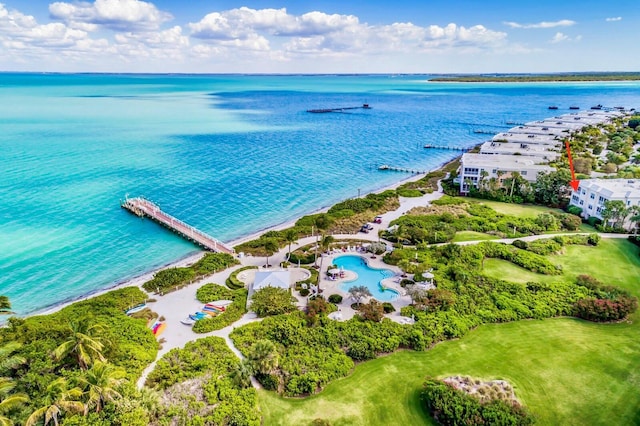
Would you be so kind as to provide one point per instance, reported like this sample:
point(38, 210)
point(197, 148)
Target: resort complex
point(528, 149)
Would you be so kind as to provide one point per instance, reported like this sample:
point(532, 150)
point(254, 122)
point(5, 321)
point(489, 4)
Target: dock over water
point(341, 109)
point(142, 207)
point(451, 148)
point(401, 169)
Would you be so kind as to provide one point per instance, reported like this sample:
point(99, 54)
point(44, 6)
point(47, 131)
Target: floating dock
point(342, 109)
point(401, 169)
point(144, 208)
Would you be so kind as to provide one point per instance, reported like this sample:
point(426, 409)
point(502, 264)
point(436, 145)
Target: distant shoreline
point(541, 78)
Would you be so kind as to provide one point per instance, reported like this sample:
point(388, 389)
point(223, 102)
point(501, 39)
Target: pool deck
point(329, 286)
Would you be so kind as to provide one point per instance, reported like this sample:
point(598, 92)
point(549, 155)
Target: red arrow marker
point(574, 183)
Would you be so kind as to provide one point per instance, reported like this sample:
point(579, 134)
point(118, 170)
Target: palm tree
point(8, 402)
point(264, 356)
point(99, 384)
point(84, 342)
point(9, 361)
point(57, 399)
point(290, 236)
point(270, 246)
point(634, 211)
point(241, 375)
point(5, 306)
point(326, 241)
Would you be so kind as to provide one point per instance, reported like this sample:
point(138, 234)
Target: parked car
point(378, 219)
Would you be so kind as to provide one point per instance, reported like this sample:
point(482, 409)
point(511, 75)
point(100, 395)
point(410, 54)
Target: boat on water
point(574, 107)
point(553, 107)
point(597, 106)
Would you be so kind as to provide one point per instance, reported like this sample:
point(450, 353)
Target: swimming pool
point(367, 276)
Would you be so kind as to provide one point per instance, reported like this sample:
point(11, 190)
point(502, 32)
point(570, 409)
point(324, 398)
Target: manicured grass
point(523, 210)
point(566, 371)
point(472, 236)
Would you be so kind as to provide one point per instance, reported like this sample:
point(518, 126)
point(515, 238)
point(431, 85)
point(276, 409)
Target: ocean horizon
point(230, 154)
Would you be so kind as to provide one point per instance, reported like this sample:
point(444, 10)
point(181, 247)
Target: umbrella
point(334, 271)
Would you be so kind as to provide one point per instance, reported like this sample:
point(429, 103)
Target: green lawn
point(472, 236)
point(523, 210)
point(566, 371)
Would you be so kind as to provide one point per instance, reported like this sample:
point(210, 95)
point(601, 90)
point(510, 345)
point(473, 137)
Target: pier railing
point(142, 207)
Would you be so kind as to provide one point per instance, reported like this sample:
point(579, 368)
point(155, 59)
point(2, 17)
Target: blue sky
point(313, 36)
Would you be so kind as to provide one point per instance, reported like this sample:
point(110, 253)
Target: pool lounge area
point(367, 276)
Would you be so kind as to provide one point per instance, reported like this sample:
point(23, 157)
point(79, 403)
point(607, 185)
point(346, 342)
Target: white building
point(592, 194)
point(528, 138)
point(541, 152)
point(499, 166)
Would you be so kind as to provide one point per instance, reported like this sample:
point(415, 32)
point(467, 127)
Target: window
point(494, 171)
point(581, 203)
point(575, 198)
point(592, 196)
point(523, 173)
point(470, 171)
point(590, 207)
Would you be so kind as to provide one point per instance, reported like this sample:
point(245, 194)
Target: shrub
point(404, 192)
point(570, 222)
point(388, 307)
point(594, 221)
point(450, 406)
point(377, 247)
point(210, 292)
point(304, 292)
point(232, 313)
point(574, 210)
point(335, 298)
point(606, 310)
point(272, 301)
point(593, 239)
point(233, 282)
point(372, 311)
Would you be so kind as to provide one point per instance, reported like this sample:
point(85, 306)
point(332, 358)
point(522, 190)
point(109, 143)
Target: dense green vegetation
point(314, 353)
point(171, 279)
point(447, 216)
point(270, 301)
point(454, 407)
point(618, 76)
point(568, 371)
point(198, 386)
point(211, 292)
point(344, 217)
point(72, 353)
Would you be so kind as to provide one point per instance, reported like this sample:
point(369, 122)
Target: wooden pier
point(342, 109)
point(145, 208)
point(485, 132)
point(451, 148)
point(401, 169)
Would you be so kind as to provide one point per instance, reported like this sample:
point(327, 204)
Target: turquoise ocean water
point(228, 154)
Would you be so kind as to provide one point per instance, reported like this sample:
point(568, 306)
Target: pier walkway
point(145, 208)
point(342, 109)
point(451, 148)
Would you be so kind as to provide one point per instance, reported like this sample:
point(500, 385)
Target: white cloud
point(560, 38)
point(617, 18)
point(543, 24)
point(324, 34)
point(119, 15)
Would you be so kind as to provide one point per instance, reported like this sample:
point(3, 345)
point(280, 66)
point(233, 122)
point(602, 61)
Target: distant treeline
point(541, 77)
